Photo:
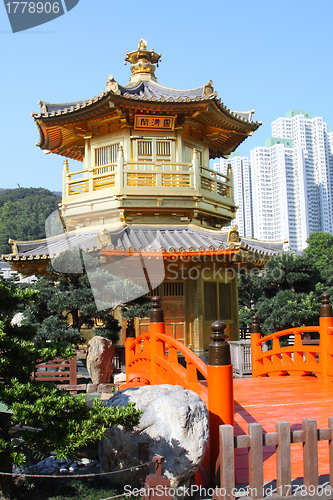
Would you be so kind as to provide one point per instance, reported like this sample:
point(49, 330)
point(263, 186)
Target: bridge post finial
point(156, 313)
point(325, 308)
point(255, 326)
point(218, 349)
point(130, 330)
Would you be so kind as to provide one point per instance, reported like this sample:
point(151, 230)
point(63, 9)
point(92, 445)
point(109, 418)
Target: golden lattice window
point(162, 148)
point(144, 148)
point(106, 155)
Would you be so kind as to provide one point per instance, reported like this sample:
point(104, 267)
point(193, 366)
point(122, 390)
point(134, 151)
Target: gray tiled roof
point(145, 90)
point(143, 238)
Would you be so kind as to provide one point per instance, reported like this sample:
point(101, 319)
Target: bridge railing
point(153, 358)
point(301, 358)
point(283, 439)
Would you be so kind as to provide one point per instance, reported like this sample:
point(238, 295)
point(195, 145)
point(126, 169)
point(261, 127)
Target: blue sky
point(267, 56)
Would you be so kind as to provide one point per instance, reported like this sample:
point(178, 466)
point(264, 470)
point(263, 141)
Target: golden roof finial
point(143, 62)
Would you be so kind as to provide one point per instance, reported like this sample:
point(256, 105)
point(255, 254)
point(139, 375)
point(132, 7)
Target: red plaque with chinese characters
point(154, 122)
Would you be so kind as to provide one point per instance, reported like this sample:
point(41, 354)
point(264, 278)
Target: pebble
point(62, 461)
point(51, 465)
point(46, 471)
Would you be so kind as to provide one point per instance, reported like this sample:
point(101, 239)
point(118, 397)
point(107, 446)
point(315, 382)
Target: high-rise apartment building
point(291, 181)
point(278, 193)
point(312, 135)
point(242, 190)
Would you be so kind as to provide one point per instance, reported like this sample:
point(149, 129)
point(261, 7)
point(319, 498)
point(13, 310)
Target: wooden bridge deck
point(266, 400)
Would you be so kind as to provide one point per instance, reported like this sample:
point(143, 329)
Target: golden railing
point(149, 175)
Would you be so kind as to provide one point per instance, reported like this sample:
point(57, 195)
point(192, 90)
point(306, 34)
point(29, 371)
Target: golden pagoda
point(145, 193)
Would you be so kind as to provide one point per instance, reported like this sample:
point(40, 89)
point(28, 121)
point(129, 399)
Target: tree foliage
point(23, 212)
point(320, 251)
point(67, 301)
point(78, 292)
point(62, 422)
point(287, 292)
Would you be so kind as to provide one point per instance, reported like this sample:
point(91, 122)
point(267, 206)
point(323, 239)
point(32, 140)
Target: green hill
point(22, 214)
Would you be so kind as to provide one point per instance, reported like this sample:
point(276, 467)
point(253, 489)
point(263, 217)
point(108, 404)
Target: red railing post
point(325, 322)
point(220, 389)
point(157, 325)
point(73, 370)
point(255, 336)
point(130, 336)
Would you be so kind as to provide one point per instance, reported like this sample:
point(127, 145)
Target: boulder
point(175, 424)
point(99, 359)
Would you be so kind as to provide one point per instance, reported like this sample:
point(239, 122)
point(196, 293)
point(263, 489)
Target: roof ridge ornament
point(111, 84)
point(143, 62)
point(209, 89)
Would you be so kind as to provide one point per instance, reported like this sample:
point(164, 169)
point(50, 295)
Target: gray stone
point(175, 424)
point(91, 388)
point(99, 359)
point(119, 378)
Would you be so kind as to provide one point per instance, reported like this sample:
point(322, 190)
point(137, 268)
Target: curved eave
point(162, 242)
point(60, 132)
point(81, 108)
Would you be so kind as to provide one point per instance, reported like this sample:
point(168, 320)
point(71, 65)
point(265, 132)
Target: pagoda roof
point(166, 240)
point(143, 90)
point(63, 126)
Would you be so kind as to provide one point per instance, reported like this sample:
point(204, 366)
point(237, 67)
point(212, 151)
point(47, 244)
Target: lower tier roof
point(165, 240)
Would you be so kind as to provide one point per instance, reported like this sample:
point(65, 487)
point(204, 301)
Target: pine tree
point(63, 422)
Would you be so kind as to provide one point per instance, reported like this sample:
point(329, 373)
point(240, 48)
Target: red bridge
point(305, 392)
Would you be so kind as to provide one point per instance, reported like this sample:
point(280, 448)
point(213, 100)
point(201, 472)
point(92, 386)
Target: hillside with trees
point(23, 212)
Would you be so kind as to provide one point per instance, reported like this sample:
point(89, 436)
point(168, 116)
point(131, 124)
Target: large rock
point(99, 359)
point(175, 424)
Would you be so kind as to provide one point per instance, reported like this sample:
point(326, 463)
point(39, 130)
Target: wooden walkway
point(267, 400)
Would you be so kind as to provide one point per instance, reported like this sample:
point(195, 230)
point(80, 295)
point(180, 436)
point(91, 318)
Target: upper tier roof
point(63, 126)
point(143, 90)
